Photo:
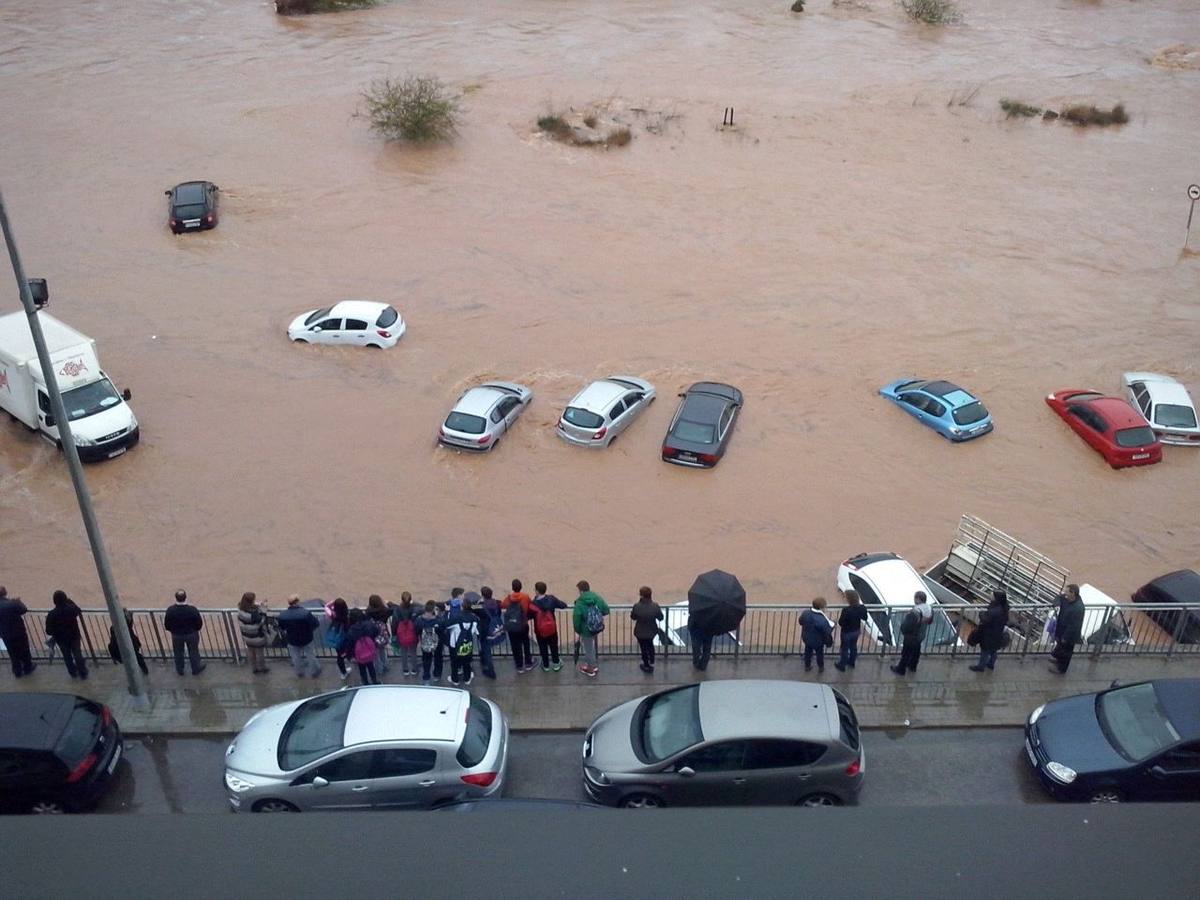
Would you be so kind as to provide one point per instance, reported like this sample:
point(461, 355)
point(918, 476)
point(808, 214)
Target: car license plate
point(690, 457)
point(1032, 756)
point(1141, 456)
point(116, 759)
point(117, 452)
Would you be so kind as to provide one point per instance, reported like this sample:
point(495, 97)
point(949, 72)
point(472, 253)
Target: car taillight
point(208, 219)
point(707, 458)
point(482, 779)
point(383, 333)
point(854, 768)
point(669, 451)
point(601, 433)
point(174, 223)
point(485, 439)
point(105, 716)
point(82, 769)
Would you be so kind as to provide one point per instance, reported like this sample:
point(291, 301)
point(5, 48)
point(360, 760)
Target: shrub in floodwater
point(555, 125)
point(932, 12)
point(1015, 108)
point(1092, 115)
point(415, 109)
point(592, 133)
point(619, 138)
point(304, 7)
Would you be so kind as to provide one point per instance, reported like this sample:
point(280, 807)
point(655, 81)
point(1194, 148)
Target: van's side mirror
point(127, 394)
point(319, 782)
point(49, 420)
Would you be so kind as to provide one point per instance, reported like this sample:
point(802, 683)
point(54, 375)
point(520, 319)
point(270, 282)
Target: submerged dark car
point(1132, 742)
point(702, 426)
point(58, 752)
point(192, 206)
point(1182, 586)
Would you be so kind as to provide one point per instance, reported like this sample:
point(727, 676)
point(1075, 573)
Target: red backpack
point(364, 649)
point(406, 633)
point(544, 625)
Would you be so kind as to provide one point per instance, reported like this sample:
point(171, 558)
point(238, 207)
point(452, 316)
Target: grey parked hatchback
point(374, 747)
point(726, 742)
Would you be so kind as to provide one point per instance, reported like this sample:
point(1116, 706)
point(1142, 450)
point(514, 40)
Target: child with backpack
point(335, 635)
point(460, 632)
point(545, 628)
point(517, 611)
point(491, 626)
point(361, 640)
point(405, 633)
point(589, 613)
point(427, 638)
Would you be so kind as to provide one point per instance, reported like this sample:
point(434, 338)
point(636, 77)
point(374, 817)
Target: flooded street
point(872, 215)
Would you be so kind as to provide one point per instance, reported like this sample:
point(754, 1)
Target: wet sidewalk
point(943, 693)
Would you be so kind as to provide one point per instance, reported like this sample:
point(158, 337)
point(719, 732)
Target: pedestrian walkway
point(943, 693)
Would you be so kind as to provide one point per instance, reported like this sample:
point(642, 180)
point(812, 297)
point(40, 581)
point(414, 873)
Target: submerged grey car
point(703, 424)
point(726, 742)
point(373, 747)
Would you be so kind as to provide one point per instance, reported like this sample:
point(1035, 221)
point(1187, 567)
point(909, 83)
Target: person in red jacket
point(516, 611)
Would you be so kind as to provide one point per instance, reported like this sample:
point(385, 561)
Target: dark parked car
point(58, 752)
point(1132, 742)
point(192, 206)
point(702, 425)
point(1176, 587)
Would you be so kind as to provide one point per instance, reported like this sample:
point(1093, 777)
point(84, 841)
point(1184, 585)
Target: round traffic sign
point(1194, 191)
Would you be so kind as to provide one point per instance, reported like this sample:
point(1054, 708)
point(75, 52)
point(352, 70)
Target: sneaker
point(530, 667)
point(453, 682)
point(839, 667)
point(897, 670)
point(545, 668)
point(975, 668)
point(582, 668)
point(521, 671)
point(592, 672)
point(201, 669)
point(470, 678)
point(344, 675)
point(557, 667)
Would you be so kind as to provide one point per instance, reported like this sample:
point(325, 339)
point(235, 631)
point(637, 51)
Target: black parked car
point(193, 206)
point(1175, 587)
point(58, 752)
point(703, 425)
point(1132, 742)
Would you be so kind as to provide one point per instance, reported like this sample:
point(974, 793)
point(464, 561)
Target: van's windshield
point(90, 399)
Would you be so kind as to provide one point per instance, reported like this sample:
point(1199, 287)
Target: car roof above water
point(358, 309)
point(598, 396)
point(478, 401)
point(751, 708)
point(399, 712)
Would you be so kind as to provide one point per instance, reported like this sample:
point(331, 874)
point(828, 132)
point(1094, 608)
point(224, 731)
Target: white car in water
point(352, 323)
point(603, 409)
point(886, 583)
point(1166, 405)
point(483, 414)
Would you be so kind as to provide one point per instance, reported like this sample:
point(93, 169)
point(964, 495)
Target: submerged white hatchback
point(374, 747)
point(1166, 405)
point(603, 409)
point(353, 323)
point(482, 414)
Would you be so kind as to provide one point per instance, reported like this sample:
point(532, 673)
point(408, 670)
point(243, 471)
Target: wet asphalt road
point(904, 768)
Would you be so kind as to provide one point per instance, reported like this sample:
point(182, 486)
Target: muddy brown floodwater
point(870, 215)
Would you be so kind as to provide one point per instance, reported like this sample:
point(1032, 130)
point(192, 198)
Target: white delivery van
point(103, 424)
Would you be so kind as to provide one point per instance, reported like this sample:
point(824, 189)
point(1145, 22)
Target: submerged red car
point(1115, 430)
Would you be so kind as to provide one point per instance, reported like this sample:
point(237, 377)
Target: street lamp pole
point(120, 628)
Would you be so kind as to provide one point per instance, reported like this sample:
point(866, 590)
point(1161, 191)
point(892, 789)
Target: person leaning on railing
point(252, 622)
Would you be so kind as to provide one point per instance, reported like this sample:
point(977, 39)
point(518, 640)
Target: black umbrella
point(716, 602)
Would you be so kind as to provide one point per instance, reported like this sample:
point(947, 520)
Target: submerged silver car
point(374, 747)
point(726, 742)
point(483, 414)
point(603, 409)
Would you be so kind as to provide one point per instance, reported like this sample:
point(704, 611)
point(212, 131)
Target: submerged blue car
point(953, 413)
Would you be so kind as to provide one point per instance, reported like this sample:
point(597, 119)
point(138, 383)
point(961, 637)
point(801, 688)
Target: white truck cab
point(101, 420)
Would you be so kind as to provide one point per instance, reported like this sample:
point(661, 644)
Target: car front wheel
point(274, 806)
point(641, 801)
point(1105, 795)
point(819, 800)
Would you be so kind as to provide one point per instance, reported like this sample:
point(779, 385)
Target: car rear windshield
point(315, 729)
point(318, 314)
point(1134, 721)
point(79, 735)
point(668, 723)
point(478, 735)
point(582, 418)
point(1172, 415)
point(694, 432)
point(190, 211)
point(1135, 437)
point(387, 318)
point(465, 423)
point(970, 414)
point(848, 720)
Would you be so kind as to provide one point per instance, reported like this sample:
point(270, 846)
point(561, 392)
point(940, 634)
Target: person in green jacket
point(590, 610)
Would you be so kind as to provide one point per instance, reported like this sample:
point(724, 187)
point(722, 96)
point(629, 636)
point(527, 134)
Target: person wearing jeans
point(517, 625)
point(587, 604)
point(427, 638)
point(298, 626)
point(990, 631)
point(183, 621)
point(62, 624)
point(545, 626)
point(850, 624)
point(461, 631)
point(816, 633)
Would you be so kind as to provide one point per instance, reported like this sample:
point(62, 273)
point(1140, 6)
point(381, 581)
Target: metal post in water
point(120, 628)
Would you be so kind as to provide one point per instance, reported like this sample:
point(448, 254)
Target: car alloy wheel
point(819, 800)
point(274, 806)
point(1105, 795)
point(641, 801)
point(47, 808)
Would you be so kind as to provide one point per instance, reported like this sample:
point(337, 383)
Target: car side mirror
point(315, 328)
point(681, 394)
point(168, 193)
point(127, 394)
point(685, 772)
point(49, 421)
point(1116, 684)
point(1158, 771)
point(320, 782)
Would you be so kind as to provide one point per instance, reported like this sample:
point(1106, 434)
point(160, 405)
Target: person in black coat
point(62, 624)
point(989, 633)
point(816, 633)
point(1068, 629)
point(183, 621)
point(114, 649)
point(14, 635)
point(850, 623)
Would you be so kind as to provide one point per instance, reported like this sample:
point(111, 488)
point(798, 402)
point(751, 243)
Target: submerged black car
point(1182, 586)
point(192, 206)
point(1132, 742)
point(702, 426)
point(58, 752)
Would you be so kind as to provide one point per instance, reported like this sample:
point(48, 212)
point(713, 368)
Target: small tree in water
point(932, 12)
point(413, 109)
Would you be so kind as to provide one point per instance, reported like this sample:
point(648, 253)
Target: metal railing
point(1170, 630)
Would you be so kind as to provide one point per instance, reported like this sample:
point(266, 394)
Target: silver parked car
point(603, 409)
point(375, 747)
point(483, 414)
point(726, 742)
